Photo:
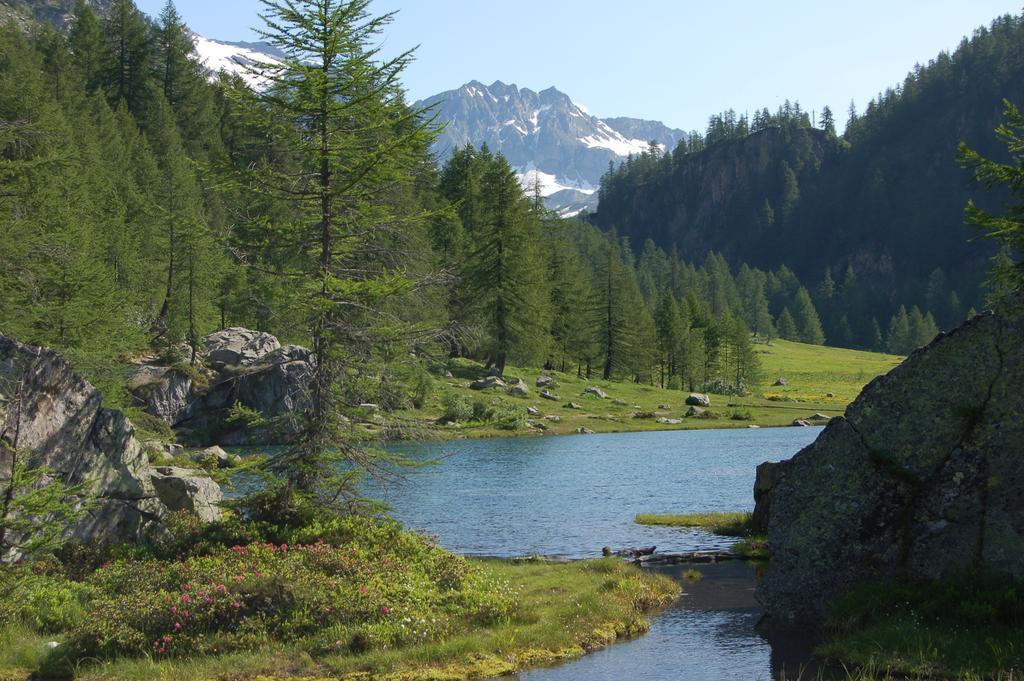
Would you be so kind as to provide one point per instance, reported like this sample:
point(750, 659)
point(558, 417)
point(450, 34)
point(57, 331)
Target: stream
point(568, 497)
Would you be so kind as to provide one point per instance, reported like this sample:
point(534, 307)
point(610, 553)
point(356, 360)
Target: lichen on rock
point(922, 478)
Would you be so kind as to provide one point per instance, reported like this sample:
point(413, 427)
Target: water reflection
point(710, 634)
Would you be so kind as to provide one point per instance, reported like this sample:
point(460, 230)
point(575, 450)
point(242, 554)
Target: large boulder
point(275, 388)
point(164, 392)
point(922, 478)
point(53, 414)
point(238, 347)
point(698, 400)
point(183, 489)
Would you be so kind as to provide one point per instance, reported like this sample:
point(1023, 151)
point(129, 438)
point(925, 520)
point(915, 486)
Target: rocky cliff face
point(243, 368)
point(922, 478)
point(55, 12)
point(53, 414)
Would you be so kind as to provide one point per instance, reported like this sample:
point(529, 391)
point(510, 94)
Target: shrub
point(719, 386)
point(364, 582)
point(481, 411)
point(46, 603)
point(509, 418)
point(742, 416)
point(456, 409)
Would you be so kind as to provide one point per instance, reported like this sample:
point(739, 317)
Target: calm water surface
point(570, 496)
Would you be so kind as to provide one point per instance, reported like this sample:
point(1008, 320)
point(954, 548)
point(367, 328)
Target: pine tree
point(899, 340)
point(343, 142)
point(877, 342)
point(616, 331)
point(922, 328)
point(572, 306)
point(182, 81)
point(126, 75)
point(828, 121)
point(86, 43)
point(668, 321)
point(1008, 229)
point(807, 319)
point(790, 192)
point(787, 326)
point(504, 273)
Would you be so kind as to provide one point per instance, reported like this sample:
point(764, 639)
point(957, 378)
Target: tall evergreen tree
point(899, 340)
point(807, 319)
point(128, 49)
point(787, 326)
point(87, 45)
point(343, 141)
point(1008, 228)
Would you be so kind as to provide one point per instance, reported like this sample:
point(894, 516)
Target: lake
point(570, 496)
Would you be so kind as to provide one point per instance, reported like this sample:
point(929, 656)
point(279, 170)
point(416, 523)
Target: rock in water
point(923, 477)
point(63, 426)
point(698, 400)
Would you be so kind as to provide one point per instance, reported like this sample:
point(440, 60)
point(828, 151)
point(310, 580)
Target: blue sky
point(675, 61)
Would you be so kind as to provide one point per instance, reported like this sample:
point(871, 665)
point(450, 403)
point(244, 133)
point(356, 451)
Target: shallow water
point(570, 496)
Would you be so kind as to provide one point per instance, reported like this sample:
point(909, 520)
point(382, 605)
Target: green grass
point(812, 372)
point(965, 627)
point(727, 524)
point(562, 612)
point(752, 545)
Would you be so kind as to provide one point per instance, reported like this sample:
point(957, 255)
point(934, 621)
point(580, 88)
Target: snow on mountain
point(235, 58)
point(545, 136)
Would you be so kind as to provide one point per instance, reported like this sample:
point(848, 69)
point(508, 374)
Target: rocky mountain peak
point(545, 135)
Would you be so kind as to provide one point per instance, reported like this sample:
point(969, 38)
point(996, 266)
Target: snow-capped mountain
point(545, 136)
point(233, 58)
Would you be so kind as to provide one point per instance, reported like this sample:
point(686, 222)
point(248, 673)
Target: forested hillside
point(147, 202)
point(884, 201)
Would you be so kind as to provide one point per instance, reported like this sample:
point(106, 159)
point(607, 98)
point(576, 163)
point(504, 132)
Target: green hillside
point(811, 373)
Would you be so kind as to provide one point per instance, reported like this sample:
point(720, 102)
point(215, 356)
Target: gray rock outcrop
point(183, 489)
point(519, 389)
point(698, 400)
point(271, 383)
point(922, 478)
point(238, 347)
point(164, 392)
point(53, 414)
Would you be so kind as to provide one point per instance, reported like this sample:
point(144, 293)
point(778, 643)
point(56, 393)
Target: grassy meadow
point(819, 380)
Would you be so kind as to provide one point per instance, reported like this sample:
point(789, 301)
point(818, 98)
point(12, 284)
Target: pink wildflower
point(185, 598)
point(177, 626)
point(386, 610)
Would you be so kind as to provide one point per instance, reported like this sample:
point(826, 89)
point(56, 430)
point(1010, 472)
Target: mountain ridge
point(545, 135)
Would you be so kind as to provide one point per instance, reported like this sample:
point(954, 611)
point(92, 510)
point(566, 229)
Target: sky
point(676, 61)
